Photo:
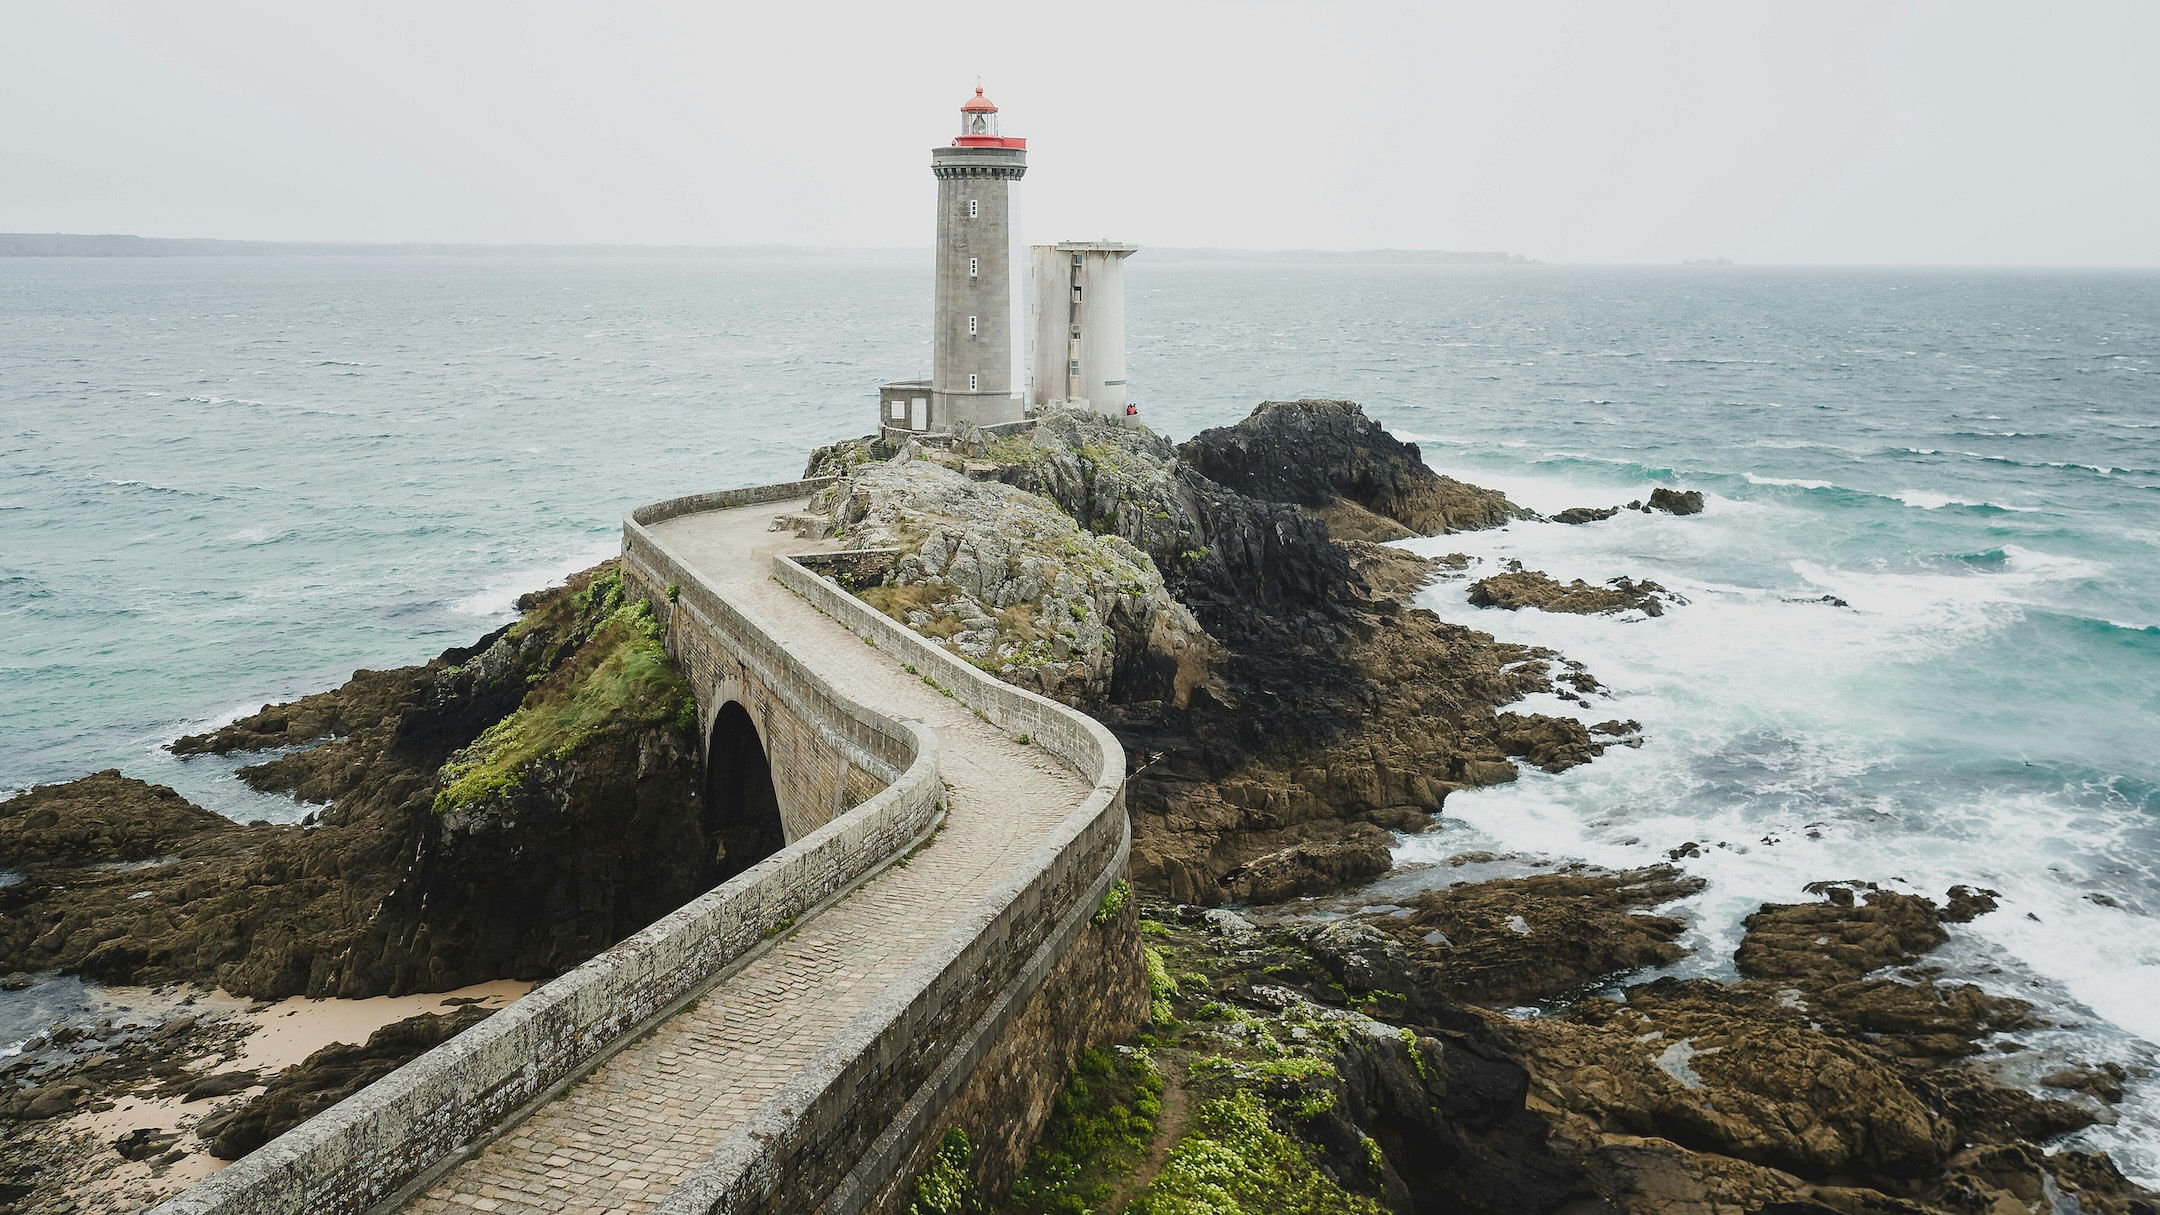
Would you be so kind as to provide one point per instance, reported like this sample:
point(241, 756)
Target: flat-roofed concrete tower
point(971, 375)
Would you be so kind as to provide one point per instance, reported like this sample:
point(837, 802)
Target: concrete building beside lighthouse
point(971, 376)
point(1076, 313)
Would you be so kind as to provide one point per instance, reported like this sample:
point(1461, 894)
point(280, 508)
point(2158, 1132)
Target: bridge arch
point(741, 807)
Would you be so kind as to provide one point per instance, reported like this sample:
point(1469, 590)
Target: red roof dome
point(978, 104)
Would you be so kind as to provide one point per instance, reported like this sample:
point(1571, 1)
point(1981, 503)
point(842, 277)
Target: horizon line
point(123, 245)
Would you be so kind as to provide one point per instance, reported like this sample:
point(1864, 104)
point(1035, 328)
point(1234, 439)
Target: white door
point(918, 417)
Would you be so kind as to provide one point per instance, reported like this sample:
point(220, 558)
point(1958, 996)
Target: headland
point(1229, 610)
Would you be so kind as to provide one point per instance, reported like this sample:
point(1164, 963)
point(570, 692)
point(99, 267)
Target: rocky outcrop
point(1670, 501)
point(1016, 586)
point(1368, 1072)
point(1677, 501)
point(1320, 453)
point(105, 818)
point(1332, 714)
point(504, 811)
point(1519, 589)
point(1585, 514)
point(1526, 940)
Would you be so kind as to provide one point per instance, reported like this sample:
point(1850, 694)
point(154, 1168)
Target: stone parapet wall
point(823, 757)
point(968, 1026)
point(841, 1137)
point(721, 499)
point(404, 1127)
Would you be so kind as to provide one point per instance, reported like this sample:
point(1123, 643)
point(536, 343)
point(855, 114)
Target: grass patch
point(619, 678)
point(900, 602)
point(1161, 988)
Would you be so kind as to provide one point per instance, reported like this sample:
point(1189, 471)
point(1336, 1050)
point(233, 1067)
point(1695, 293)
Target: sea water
point(226, 481)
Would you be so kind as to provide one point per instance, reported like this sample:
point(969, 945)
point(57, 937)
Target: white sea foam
point(1781, 739)
point(499, 597)
point(1929, 500)
point(1790, 482)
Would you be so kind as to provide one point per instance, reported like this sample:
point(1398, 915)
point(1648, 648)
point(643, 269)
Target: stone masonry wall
point(1097, 993)
point(838, 1134)
point(980, 1030)
point(818, 770)
point(371, 1145)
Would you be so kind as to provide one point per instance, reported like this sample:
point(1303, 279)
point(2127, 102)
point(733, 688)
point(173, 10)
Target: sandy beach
point(265, 1038)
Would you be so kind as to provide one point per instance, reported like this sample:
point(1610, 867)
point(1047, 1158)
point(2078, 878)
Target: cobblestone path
point(618, 1139)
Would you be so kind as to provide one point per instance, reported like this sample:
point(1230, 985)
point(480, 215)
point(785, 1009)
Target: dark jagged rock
point(1585, 514)
point(1314, 453)
point(1530, 588)
point(104, 818)
point(391, 892)
point(1677, 501)
point(1336, 714)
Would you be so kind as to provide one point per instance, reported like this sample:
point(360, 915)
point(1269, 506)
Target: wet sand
point(278, 1035)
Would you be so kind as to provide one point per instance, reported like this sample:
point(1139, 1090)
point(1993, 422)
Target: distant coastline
point(67, 244)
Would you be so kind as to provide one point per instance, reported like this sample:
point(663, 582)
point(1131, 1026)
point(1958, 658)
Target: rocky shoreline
point(1370, 1062)
point(1229, 607)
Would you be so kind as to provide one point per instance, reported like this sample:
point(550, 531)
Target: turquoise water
point(230, 480)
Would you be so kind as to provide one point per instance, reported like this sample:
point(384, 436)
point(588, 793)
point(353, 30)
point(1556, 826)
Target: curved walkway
point(623, 1136)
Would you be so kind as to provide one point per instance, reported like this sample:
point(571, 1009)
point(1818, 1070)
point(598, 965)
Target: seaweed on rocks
point(447, 852)
point(1363, 1061)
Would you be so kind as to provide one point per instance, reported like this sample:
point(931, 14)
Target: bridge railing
point(405, 1127)
point(837, 1136)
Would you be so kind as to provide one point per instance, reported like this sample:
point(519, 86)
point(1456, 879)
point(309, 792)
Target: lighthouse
point(971, 377)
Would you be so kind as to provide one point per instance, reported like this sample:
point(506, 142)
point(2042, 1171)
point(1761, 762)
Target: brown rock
point(1585, 514)
point(1531, 939)
point(1531, 588)
point(103, 817)
point(1835, 941)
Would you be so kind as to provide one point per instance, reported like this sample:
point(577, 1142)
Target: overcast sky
point(1968, 133)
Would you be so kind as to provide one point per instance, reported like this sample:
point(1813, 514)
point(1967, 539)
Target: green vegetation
point(1161, 988)
point(1236, 1160)
point(1417, 1057)
point(943, 1188)
point(605, 669)
point(1113, 899)
point(1099, 1130)
point(1013, 449)
point(1220, 1113)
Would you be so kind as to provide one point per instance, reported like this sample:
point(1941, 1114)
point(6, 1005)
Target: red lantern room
point(979, 125)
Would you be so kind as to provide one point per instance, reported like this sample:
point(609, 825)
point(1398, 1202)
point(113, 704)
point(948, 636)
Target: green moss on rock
point(619, 678)
point(1236, 1160)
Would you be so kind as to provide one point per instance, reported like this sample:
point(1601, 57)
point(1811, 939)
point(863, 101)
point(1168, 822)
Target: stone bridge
point(917, 938)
